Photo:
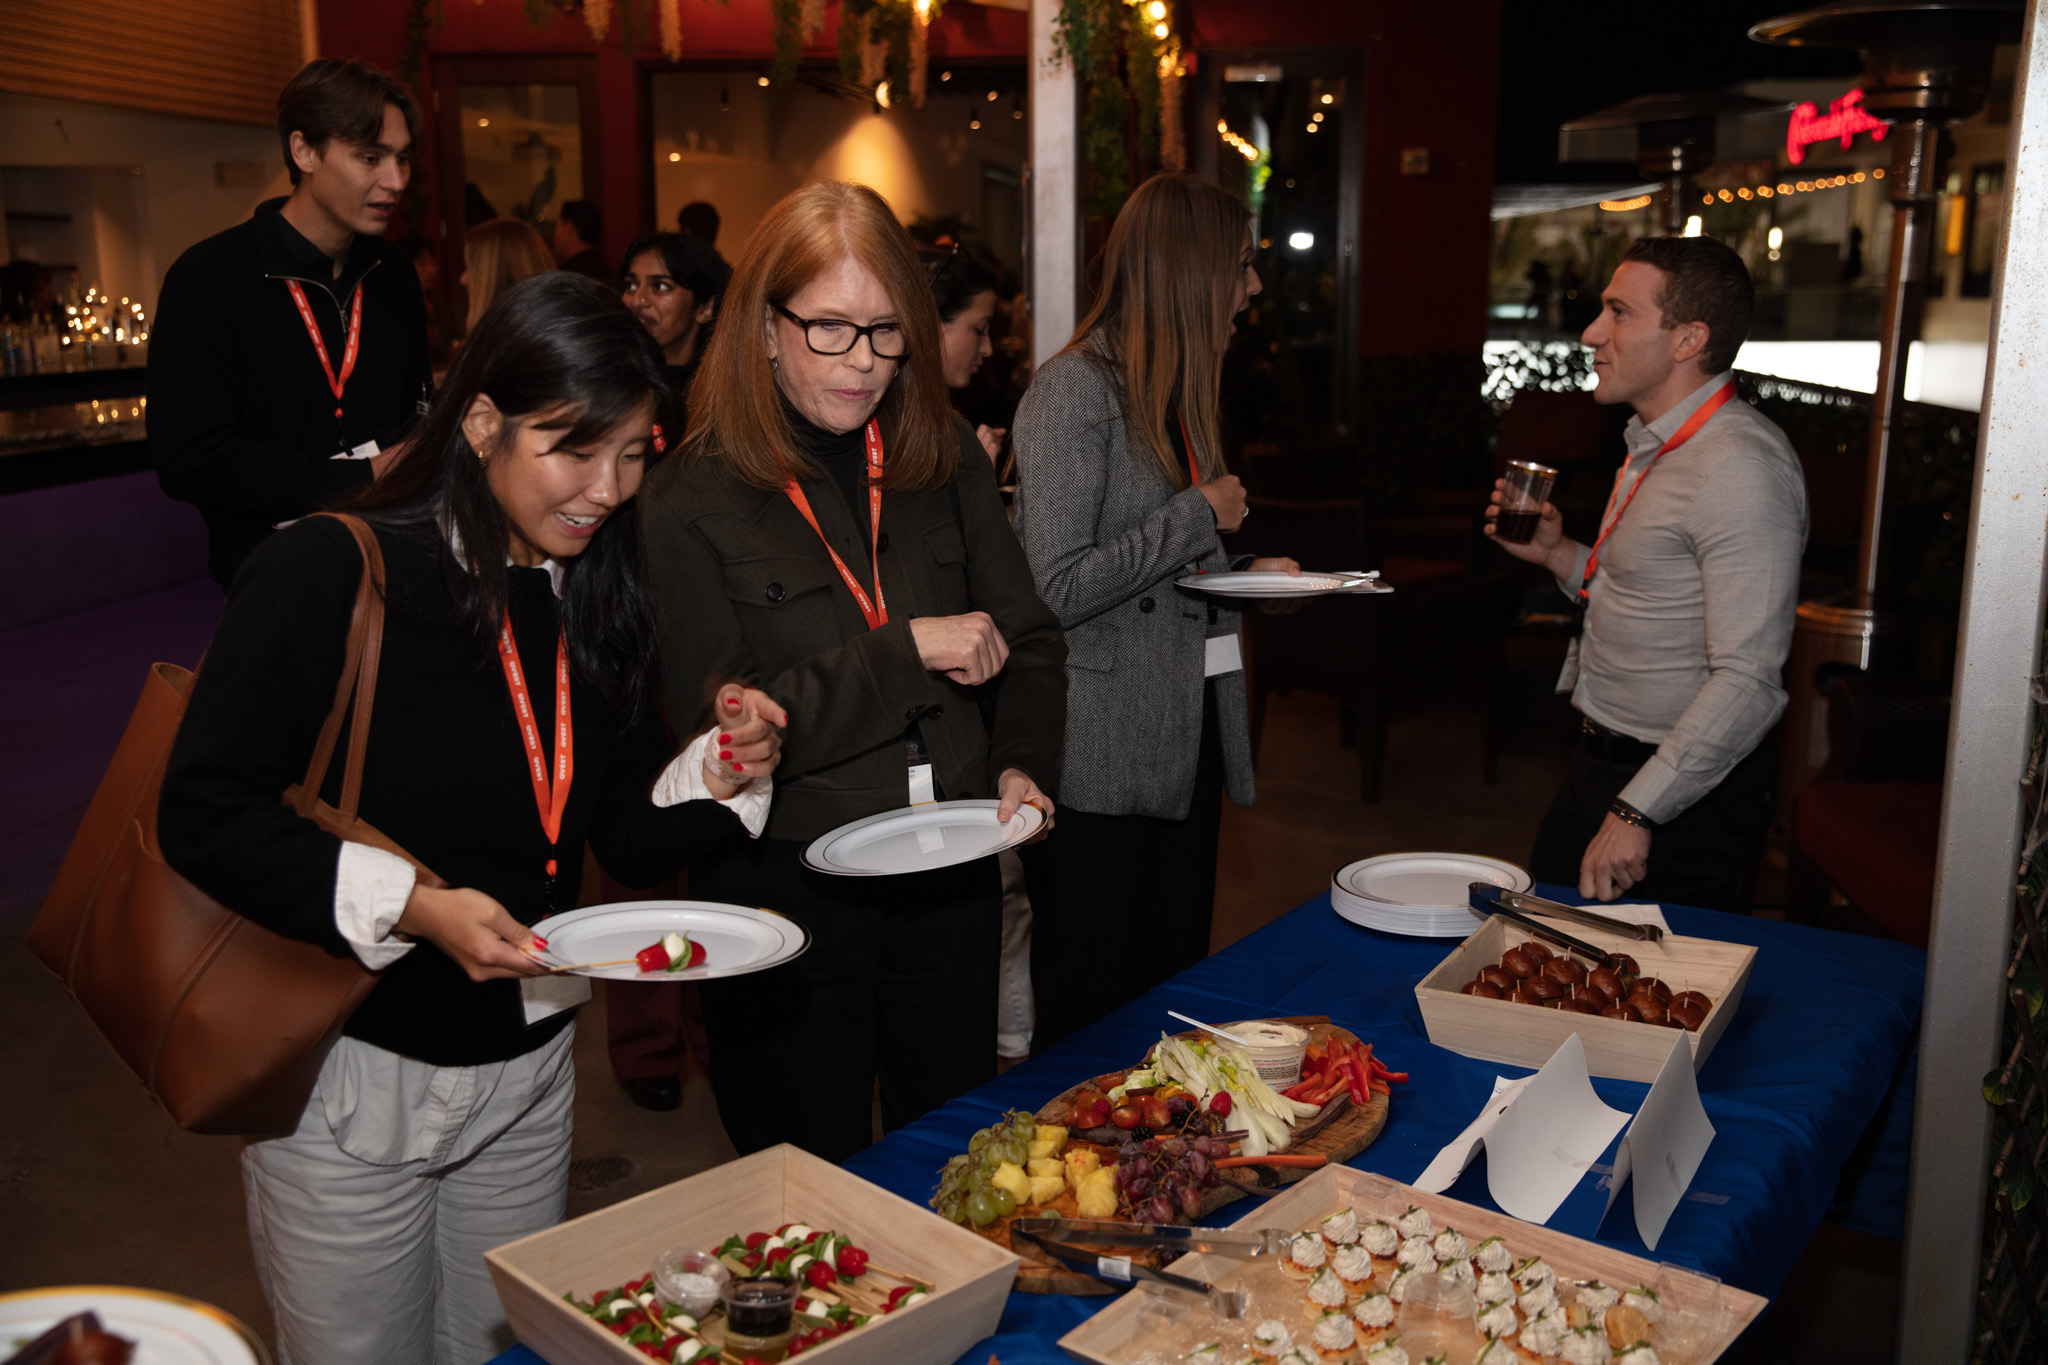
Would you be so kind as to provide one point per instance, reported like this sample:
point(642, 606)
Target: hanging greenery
point(1125, 53)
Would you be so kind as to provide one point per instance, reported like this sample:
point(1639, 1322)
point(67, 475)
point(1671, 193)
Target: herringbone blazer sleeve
point(1092, 541)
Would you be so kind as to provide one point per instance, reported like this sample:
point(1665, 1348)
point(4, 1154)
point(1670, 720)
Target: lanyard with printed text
point(877, 610)
point(1679, 438)
point(336, 382)
point(550, 793)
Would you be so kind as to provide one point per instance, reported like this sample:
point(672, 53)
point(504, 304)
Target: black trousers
point(1704, 857)
point(1119, 903)
point(899, 982)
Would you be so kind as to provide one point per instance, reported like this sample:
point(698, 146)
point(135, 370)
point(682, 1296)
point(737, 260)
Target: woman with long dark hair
point(833, 533)
point(439, 1125)
point(1121, 491)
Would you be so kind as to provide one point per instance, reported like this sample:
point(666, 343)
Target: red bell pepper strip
point(1359, 1093)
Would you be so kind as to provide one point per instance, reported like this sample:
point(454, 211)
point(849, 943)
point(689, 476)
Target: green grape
point(1012, 1152)
point(1006, 1203)
point(981, 1210)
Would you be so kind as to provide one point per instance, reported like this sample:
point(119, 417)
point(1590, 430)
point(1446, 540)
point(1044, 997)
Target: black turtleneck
point(842, 455)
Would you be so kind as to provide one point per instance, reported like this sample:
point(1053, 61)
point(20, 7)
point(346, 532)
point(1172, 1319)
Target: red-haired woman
point(832, 532)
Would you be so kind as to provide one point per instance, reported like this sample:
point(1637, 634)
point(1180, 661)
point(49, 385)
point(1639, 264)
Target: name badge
point(922, 792)
point(362, 452)
point(1568, 676)
point(1225, 655)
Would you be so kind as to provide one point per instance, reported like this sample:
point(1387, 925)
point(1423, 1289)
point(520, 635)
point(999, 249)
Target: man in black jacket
point(289, 352)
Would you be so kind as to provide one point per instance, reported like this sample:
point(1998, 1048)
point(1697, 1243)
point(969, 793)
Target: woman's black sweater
point(445, 776)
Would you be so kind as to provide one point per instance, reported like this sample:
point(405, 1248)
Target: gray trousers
point(370, 1222)
point(1014, 1015)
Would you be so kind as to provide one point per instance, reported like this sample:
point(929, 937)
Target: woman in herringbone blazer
point(1121, 490)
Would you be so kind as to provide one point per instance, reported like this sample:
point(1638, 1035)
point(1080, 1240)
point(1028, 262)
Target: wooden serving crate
point(1526, 1035)
point(970, 1276)
point(1702, 1316)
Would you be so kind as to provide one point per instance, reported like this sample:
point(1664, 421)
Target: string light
point(1641, 201)
point(1782, 187)
point(1244, 149)
point(1160, 30)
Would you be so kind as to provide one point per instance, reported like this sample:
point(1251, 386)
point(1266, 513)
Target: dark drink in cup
point(1517, 527)
point(1524, 490)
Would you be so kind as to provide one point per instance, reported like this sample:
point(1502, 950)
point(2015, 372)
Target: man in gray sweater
point(1687, 597)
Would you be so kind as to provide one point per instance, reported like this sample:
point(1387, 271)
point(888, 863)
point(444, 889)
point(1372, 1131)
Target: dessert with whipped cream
point(1340, 1229)
point(1334, 1334)
point(1543, 1333)
point(1450, 1245)
point(1272, 1335)
point(1533, 1271)
point(1536, 1299)
point(1388, 1352)
point(1493, 1254)
point(1584, 1346)
point(1353, 1264)
point(1415, 1223)
point(1305, 1253)
point(1379, 1238)
point(1644, 1300)
point(1208, 1353)
point(1596, 1298)
point(1496, 1351)
point(1494, 1287)
point(1397, 1288)
point(1416, 1254)
point(1500, 1320)
point(1325, 1290)
point(1638, 1354)
point(1462, 1272)
point(1296, 1355)
point(1375, 1310)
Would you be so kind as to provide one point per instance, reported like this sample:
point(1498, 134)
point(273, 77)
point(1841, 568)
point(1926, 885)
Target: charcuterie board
point(1338, 1135)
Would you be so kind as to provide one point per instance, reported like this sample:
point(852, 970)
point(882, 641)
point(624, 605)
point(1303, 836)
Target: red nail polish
point(725, 753)
point(732, 703)
point(739, 767)
point(725, 739)
point(539, 942)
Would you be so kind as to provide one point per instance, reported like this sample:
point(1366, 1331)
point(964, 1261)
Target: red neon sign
point(1844, 119)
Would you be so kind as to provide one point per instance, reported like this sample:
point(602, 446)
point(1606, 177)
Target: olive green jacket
point(745, 592)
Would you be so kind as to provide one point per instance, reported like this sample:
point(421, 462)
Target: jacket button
point(1146, 604)
point(773, 592)
point(882, 545)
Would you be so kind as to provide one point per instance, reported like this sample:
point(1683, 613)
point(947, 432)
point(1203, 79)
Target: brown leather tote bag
point(224, 1022)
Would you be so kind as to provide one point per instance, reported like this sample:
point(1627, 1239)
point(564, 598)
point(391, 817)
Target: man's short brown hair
point(1705, 281)
point(331, 98)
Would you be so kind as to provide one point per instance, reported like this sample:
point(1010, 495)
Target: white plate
point(1422, 895)
point(167, 1329)
point(736, 940)
point(919, 838)
point(1249, 584)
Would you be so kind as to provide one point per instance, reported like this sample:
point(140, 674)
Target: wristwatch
point(1627, 814)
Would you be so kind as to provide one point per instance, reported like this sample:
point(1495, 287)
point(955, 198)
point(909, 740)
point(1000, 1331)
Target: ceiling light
point(1301, 241)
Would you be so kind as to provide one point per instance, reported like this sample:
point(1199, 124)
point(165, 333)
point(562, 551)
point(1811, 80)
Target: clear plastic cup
point(1436, 1316)
point(691, 1279)
point(1524, 490)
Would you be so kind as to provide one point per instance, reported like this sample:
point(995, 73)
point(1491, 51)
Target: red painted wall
point(737, 30)
point(1431, 73)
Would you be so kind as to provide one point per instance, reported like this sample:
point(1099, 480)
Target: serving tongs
point(1047, 1235)
point(1512, 905)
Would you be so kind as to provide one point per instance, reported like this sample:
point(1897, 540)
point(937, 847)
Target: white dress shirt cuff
point(683, 780)
point(371, 888)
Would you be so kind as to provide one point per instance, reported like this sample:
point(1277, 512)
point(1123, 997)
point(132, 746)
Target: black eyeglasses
point(833, 336)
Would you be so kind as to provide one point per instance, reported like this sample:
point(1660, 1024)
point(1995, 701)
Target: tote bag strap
point(358, 675)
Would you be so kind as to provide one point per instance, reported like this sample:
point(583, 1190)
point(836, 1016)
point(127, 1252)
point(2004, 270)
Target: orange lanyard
point(1679, 438)
point(877, 610)
point(550, 795)
point(348, 355)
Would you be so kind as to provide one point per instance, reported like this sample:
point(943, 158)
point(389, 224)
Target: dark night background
point(1561, 61)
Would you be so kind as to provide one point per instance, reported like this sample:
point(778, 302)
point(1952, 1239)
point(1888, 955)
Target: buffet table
point(1809, 1090)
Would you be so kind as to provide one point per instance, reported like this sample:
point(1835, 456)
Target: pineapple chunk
point(1081, 1163)
point(1048, 1141)
point(1046, 1188)
point(1097, 1195)
point(1010, 1176)
point(1046, 1165)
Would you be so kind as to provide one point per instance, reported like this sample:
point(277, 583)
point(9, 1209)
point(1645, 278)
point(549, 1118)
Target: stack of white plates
point(1422, 895)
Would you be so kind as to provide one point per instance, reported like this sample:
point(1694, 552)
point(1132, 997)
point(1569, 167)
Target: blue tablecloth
point(1809, 1090)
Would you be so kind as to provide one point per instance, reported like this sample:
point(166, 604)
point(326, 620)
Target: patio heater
point(1671, 138)
point(1926, 65)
